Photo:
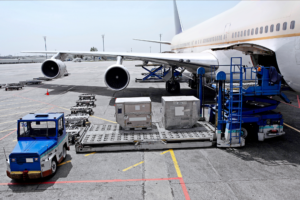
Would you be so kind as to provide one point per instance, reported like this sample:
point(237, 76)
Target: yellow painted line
point(103, 119)
point(90, 154)
point(15, 140)
point(64, 108)
point(164, 152)
point(8, 122)
point(124, 170)
point(64, 163)
point(18, 107)
point(7, 130)
point(174, 161)
point(291, 127)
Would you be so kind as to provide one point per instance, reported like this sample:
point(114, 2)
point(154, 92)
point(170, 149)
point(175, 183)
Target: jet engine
point(53, 68)
point(116, 77)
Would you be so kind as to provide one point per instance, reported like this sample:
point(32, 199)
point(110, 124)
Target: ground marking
point(8, 130)
point(103, 119)
point(15, 140)
point(7, 122)
point(64, 163)
point(174, 161)
point(16, 103)
point(184, 189)
point(90, 181)
point(124, 170)
point(7, 134)
point(90, 154)
point(291, 127)
point(13, 114)
point(17, 107)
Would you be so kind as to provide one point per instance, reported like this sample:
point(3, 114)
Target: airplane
point(268, 35)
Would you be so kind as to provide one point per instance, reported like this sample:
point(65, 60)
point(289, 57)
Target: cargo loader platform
point(110, 137)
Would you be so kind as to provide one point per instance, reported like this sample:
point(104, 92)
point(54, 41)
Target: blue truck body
point(42, 144)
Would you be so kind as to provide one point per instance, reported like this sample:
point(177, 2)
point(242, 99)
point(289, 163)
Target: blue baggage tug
point(42, 145)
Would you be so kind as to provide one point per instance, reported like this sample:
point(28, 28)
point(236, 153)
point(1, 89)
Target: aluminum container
point(135, 112)
point(180, 111)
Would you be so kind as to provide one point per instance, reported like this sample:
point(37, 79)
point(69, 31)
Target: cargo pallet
point(110, 137)
point(13, 86)
point(87, 97)
point(31, 82)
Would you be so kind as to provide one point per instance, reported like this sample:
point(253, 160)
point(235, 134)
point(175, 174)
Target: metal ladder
point(235, 101)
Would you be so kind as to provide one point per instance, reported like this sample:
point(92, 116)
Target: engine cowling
point(54, 68)
point(116, 77)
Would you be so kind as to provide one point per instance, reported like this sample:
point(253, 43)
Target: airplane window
point(292, 26)
point(272, 28)
point(248, 33)
point(261, 30)
point(256, 31)
point(278, 27)
point(235, 35)
point(238, 34)
point(232, 35)
point(284, 26)
point(241, 33)
point(244, 32)
point(252, 31)
point(266, 29)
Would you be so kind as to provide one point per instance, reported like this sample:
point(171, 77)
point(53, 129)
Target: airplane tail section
point(178, 27)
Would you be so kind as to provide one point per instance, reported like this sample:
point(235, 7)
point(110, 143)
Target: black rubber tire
point(244, 133)
point(64, 153)
point(177, 87)
point(53, 166)
point(73, 139)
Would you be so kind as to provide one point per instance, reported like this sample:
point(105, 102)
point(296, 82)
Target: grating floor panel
point(111, 133)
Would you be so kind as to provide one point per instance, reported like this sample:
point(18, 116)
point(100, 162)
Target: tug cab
point(42, 145)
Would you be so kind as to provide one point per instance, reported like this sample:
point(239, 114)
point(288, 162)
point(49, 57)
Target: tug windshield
point(37, 129)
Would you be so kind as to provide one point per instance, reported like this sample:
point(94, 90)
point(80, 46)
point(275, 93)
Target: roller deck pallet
point(109, 137)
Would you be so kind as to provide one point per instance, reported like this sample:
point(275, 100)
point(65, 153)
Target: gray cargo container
point(180, 112)
point(134, 113)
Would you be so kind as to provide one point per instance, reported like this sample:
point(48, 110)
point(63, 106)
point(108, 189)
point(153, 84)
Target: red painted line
point(298, 101)
point(93, 181)
point(8, 134)
point(49, 109)
point(185, 192)
point(289, 104)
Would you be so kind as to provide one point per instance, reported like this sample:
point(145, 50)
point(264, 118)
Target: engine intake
point(53, 68)
point(117, 77)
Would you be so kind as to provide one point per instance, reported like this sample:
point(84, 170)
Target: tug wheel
point(64, 152)
point(244, 132)
point(53, 166)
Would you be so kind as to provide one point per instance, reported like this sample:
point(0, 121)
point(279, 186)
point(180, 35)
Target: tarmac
point(260, 170)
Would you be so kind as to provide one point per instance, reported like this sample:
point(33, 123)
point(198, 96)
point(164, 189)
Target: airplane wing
point(190, 61)
point(154, 41)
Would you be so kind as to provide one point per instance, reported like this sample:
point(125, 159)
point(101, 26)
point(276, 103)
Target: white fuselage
point(230, 28)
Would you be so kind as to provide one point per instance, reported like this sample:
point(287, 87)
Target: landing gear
point(173, 86)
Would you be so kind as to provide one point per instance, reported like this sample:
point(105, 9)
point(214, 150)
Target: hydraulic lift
point(245, 109)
